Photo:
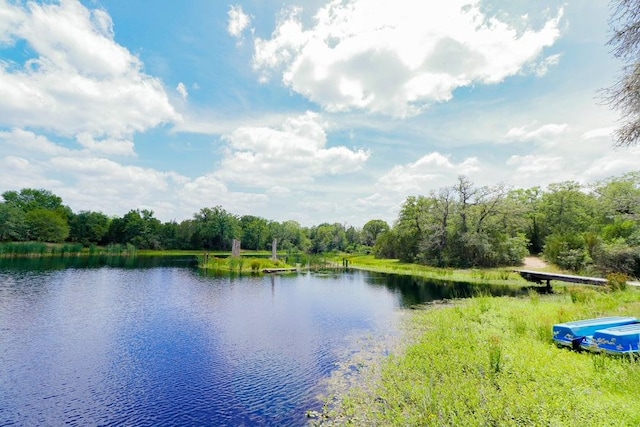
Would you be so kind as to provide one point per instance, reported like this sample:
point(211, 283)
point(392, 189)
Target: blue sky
point(314, 111)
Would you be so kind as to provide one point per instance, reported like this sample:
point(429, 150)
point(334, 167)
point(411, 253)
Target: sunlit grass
point(494, 276)
point(239, 264)
point(491, 361)
point(39, 249)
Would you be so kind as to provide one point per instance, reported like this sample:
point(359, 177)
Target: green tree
point(462, 225)
point(409, 228)
point(354, 239)
point(372, 230)
point(29, 199)
point(387, 245)
point(170, 236)
point(619, 198)
point(255, 231)
point(435, 241)
point(45, 225)
point(522, 206)
point(568, 214)
point(13, 225)
point(566, 208)
point(215, 229)
point(138, 228)
point(290, 235)
point(88, 227)
point(328, 237)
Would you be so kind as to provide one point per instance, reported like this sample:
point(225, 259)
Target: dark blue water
point(170, 346)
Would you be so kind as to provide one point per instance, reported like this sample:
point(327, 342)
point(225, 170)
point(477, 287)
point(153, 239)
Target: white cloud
point(612, 163)
point(238, 21)
point(605, 132)
point(107, 146)
point(27, 141)
point(430, 172)
point(209, 191)
point(278, 191)
point(397, 57)
point(17, 172)
point(182, 90)
point(536, 165)
point(292, 155)
point(100, 173)
point(103, 185)
point(543, 66)
point(97, 184)
point(546, 134)
point(79, 81)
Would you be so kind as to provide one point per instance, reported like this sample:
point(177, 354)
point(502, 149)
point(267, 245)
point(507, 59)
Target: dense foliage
point(39, 215)
point(574, 226)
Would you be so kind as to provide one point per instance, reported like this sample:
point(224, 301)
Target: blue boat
point(580, 334)
point(615, 340)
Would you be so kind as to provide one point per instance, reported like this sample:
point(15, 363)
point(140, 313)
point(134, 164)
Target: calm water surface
point(167, 345)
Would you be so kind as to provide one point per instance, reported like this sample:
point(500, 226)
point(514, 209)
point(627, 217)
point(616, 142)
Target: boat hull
point(616, 340)
point(580, 333)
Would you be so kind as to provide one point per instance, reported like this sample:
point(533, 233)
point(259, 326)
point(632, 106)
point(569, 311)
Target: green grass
point(491, 362)
point(493, 276)
point(39, 249)
point(173, 252)
point(240, 264)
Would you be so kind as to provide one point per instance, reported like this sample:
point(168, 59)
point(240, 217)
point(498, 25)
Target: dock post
point(274, 250)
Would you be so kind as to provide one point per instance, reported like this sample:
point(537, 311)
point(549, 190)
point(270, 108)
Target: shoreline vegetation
point(41, 249)
point(491, 361)
point(260, 262)
point(473, 362)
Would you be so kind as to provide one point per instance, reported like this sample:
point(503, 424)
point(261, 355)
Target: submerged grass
point(491, 362)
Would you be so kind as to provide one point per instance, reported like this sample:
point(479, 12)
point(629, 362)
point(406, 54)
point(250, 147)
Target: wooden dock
point(541, 276)
point(278, 270)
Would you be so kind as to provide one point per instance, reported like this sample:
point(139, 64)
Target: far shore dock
point(541, 276)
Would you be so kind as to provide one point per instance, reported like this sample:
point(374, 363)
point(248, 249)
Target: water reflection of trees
point(417, 290)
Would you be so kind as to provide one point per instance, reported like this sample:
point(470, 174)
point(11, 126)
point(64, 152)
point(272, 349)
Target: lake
point(159, 342)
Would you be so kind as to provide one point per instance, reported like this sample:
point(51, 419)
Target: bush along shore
point(491, 361)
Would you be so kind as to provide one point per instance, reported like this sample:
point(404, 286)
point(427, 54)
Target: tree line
point(577, 227)
point(39, 215)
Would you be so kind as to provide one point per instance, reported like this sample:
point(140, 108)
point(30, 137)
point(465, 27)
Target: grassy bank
point(493, 276)
point(241, 264)
point(40, 249)
point(252, 262)
point(491, 362)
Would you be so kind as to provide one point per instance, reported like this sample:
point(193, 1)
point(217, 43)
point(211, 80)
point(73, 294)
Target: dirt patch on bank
point(534, 263)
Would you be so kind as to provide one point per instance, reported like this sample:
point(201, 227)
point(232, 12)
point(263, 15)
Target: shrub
point(567, 251)
point(581, 294)
point(618, 257)
point(617, 281)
